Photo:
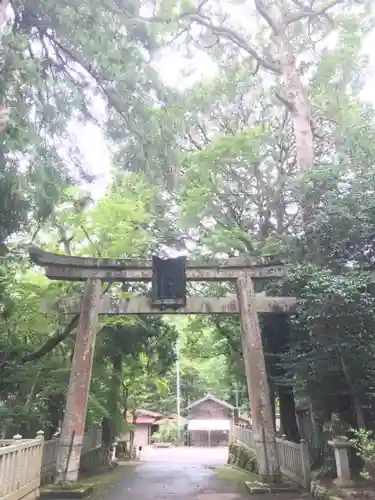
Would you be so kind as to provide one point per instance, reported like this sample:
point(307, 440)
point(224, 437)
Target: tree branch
point(290, 106)
point(52, 342)
point(308, 13)
point(266, 16)
point(89, 239)
point(210, 355)
point(113, 100)
point(220, 31)
point(237, 39)
point(56, 339)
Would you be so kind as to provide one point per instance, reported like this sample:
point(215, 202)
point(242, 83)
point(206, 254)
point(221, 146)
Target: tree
point(111, 228)
point(139, 352)
point(239, 191)
point(31, 394)
point(283, 38)
point(57, 75)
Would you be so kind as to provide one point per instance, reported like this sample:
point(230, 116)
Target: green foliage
point(132, 355)
point(206, 365)
point(64, 66)
point(331, 354)
point(364, 444)
point(168, 433)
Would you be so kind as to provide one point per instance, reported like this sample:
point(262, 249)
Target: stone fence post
point(40, 435)
point(341, 446)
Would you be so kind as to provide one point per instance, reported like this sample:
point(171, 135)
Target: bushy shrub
point(167, 433)
point(364, 444)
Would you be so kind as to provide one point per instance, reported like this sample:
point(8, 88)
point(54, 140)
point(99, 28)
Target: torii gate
point(94, 271)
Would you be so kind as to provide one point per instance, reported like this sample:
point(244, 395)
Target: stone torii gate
point(95, 271)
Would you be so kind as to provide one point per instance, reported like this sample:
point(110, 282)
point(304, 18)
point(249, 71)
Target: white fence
point(243, 435)
point(24, 462)
point(91, 441)
point(295, 461)
point(294, 458)
point(20, 468)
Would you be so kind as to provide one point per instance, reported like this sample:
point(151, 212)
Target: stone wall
point(243, 457)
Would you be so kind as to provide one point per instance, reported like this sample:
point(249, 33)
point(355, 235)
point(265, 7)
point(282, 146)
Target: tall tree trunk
point(131, 443)
point(115, 392)
point(110, 426)
point(288, 416)
point(297, 101)
point(106, 439)
point(125, 415)
point(357, 405)
point(3, 12)
point(273, 402)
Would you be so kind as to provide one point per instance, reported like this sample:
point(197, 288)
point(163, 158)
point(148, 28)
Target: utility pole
point(178, 392)
point(237, 395)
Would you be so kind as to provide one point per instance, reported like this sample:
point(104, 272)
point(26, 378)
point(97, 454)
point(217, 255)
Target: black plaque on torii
point(168, 282)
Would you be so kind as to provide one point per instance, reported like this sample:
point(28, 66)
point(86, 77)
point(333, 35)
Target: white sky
point(93, 145)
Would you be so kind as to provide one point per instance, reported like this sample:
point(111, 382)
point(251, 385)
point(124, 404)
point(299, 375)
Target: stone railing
point(20, 467)
point(6, 442)
point(295, 461)
point(294, 458)
point(92, 440)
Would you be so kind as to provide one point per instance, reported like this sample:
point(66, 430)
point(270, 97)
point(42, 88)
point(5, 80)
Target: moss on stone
point(236, 475)
point(243, 457)
point(96, 482)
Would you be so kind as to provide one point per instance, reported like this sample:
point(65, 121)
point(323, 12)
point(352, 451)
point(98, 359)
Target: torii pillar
point(257, 383)
point(73, 426)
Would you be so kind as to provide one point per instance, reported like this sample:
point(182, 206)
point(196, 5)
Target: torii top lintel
point(66, 267)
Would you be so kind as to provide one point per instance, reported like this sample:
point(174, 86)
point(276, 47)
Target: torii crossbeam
point(112, 306)
point(65, 267)
point(246, 303)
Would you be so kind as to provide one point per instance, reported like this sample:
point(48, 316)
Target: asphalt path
point(183, 474)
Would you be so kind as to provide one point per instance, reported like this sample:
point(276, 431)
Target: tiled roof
point(210, 397)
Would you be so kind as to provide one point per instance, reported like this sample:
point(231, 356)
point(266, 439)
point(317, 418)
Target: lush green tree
point(240, 187)
point(64, 66)
point(136, 354)
point(168, 433)
point(117, 226)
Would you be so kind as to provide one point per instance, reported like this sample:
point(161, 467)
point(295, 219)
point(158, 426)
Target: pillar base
point(284, 487)
point(67, 467)
point(66, 493)
point(343, 483)
point(270, 479)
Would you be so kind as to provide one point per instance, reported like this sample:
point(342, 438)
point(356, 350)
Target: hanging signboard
point(168, 282)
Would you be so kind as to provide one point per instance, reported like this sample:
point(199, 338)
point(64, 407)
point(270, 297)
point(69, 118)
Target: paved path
point(182, 474)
